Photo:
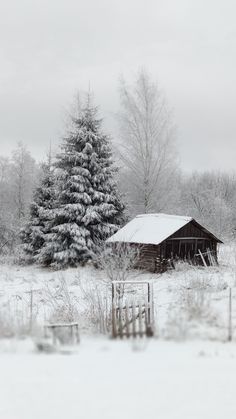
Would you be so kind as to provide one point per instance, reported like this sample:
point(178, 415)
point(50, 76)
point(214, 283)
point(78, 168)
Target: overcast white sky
point(51, 48)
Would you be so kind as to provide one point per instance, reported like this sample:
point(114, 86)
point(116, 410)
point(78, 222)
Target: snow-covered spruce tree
point(89, 207)
point(34, 233)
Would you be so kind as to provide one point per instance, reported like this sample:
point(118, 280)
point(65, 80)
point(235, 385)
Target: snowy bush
point(17, 320)
point(195, 303)
point(96, 313)
point(118, 261)
point(182, 266)
point(176, 326)
point(63, 304)
point(206, 281)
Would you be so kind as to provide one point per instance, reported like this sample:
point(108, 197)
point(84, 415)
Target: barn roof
point(153, 228)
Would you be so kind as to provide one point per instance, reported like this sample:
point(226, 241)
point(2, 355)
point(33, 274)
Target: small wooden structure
point(161, 239)
point(132, 314)
point(66, 333)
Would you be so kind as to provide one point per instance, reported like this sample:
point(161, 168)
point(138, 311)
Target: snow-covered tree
point(89, 208)
point(34, 233)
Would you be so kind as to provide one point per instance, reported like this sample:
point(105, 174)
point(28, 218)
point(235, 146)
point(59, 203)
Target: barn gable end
point(190, 230)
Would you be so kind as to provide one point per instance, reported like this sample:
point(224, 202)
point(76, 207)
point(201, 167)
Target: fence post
point(230, 316)
point(127, 317)
point(77, 333)
point(134, 318)
point(31, 310)
point(120, 318)
point(149, 305)
point(114, 325)
point(140, 318)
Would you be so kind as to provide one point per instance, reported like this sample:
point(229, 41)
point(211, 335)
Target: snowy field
point(187, 371)
point(107, 379)
point(189, 302)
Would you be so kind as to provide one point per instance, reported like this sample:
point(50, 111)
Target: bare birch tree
point(23, 180)
point(210, 197)
point(5, 201)
point(147, 148)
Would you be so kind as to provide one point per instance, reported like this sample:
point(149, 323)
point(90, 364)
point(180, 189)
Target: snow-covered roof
point(150, 228)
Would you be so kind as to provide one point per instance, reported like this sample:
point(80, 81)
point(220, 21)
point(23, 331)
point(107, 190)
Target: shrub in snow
point(45, 345)
point(17, 322)
point(195, 303)
point(88, 208)
point(196, 282)
point(181, 266)
point(211, 283)
point(63, 303)
point(177, 325)
point(96, 314)
point(118, 261)
point(16, 257)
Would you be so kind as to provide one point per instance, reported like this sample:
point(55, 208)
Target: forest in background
point(149, 175)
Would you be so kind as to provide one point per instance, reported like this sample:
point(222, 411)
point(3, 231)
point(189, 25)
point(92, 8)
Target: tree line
point(60, 211)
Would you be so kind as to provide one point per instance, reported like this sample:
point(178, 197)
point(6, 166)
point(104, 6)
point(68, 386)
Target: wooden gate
point(132, 314)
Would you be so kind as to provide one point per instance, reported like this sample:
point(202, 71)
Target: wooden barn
point(163, 239)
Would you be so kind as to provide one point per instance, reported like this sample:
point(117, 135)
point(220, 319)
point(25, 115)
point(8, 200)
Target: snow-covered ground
point(189, 302)
point(113, 380)
point(187, 371)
